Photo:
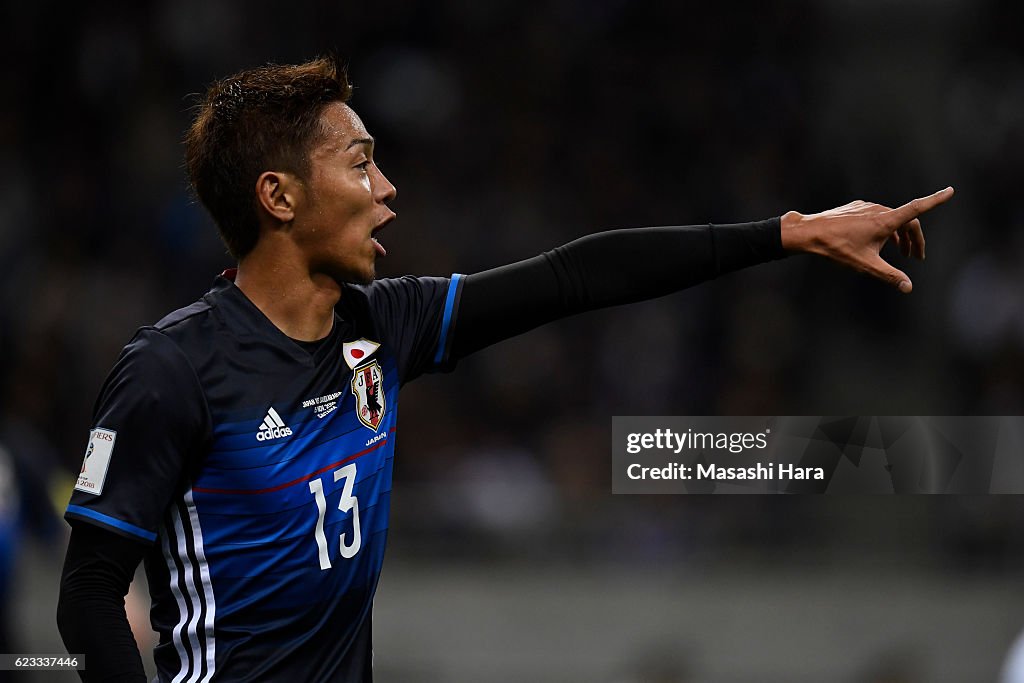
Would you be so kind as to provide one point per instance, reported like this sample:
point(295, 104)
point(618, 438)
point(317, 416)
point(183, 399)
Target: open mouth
point(381, 251)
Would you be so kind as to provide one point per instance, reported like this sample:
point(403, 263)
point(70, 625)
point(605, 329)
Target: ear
point(276, 195)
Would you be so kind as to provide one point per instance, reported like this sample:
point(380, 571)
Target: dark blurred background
point(510, 128)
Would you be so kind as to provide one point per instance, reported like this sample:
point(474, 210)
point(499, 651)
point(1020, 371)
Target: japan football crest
point(368, 388)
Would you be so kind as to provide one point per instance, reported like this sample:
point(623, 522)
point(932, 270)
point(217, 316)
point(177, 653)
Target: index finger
point(914, 208)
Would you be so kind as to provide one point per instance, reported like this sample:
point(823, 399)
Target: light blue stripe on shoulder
point(112, 521)
point(446, 322)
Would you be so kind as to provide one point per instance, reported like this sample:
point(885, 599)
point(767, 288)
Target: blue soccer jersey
point(259, 469)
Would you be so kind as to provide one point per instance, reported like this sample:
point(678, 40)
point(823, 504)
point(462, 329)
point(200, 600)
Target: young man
point(243, 445)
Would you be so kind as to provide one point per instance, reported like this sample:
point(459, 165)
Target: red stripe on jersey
point(250, 492)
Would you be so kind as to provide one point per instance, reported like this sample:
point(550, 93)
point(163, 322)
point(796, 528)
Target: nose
point(383, 190)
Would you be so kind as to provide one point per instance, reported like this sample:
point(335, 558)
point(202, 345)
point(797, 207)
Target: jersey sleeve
point(416, 316)
point(150, 415)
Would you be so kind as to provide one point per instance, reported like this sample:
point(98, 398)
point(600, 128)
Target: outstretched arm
point(624, 266)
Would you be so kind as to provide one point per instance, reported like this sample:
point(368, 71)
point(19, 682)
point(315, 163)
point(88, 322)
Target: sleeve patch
point(97, 459)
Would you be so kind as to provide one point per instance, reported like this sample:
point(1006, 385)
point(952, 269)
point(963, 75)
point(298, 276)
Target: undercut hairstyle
point(261, 119)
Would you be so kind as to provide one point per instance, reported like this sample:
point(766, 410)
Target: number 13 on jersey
point(345, 503)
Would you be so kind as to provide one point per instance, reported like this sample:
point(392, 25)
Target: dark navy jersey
point(260, 471)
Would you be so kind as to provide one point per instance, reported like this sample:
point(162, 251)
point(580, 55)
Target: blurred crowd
point(511, 128)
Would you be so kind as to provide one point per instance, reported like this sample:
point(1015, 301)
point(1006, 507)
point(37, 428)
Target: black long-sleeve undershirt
point(600, 270)
point(98, 570)
point(604, 269)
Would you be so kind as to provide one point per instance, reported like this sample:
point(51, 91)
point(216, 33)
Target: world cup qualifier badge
point(368, 388)
point(96, 461)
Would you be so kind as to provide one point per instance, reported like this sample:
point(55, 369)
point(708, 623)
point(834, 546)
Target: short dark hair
point(261, 119)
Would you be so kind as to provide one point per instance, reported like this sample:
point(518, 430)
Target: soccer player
point(243, 445)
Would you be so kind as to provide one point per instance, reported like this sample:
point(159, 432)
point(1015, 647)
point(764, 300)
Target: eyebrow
point(360, 141)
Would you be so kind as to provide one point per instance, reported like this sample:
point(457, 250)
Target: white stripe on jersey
point(203, 605)
point(193, 597)
point(176, 632)
point(210, 644)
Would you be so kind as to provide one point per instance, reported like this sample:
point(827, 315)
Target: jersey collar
point(247, 321)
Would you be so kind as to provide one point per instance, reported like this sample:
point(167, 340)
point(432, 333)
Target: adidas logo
point(273, 427)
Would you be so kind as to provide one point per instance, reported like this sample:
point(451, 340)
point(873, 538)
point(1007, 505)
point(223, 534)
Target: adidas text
point(275, 433)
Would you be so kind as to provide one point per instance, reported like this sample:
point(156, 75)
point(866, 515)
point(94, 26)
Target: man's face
point(344, 202)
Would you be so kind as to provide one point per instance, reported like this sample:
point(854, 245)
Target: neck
point(300, 303)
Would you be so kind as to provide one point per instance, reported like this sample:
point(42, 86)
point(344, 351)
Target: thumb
point(879, 268)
